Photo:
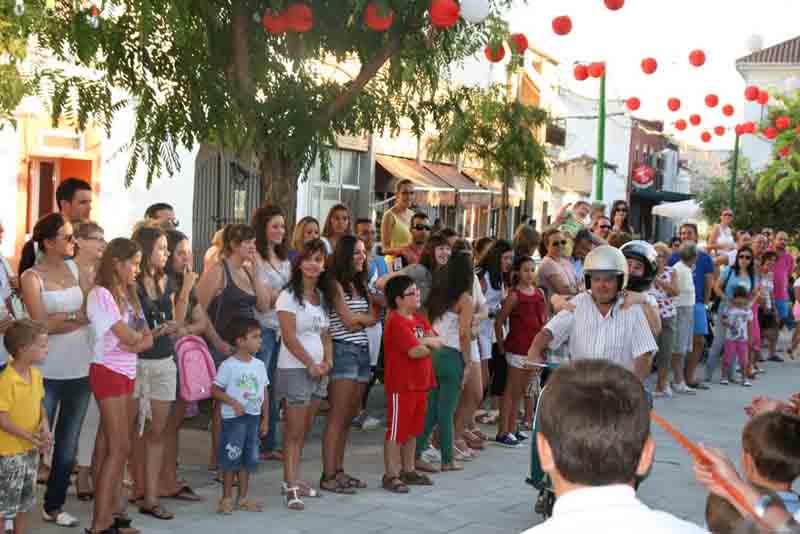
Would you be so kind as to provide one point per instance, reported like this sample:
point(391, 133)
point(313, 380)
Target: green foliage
point(207, 72)
point(754, 209)
point(482, 124)
point(783, 174)
point(14, 85)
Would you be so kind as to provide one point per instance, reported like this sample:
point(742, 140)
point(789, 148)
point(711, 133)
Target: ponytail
point(28, 256)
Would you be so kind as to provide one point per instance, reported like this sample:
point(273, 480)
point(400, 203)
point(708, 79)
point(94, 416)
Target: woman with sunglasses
point(556, 273)
point(721, 239)
point(396, 223)
point(741, 273)
point(52, 294)
point(620, 217)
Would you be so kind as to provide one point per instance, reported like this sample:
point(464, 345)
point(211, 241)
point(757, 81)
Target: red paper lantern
point(520, 42)
point(763, 98)
point(377, 19)
point(562, 25)
point(705, 136)
point(495, 52)
point(712, 101)
point(750, 127)
point(581, 72)
point(783, 123)
point(614, 5)
point(444, 13)
point(739, 129)
point(301, 18)
point(680, 124)
point(697, 58)
point(674, 104)
point(727, 110)
point(719, 130)
point(695, 119)
point(784, 152)
point(596, 70)
point(751, 93)
point(275, 23)
point(633, 103)
point(770, 132)
point(649, 65)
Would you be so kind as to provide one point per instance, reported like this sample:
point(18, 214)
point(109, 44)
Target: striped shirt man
point(621, 336)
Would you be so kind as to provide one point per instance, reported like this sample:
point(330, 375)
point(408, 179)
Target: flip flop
point(185, 493)
point(158, 512)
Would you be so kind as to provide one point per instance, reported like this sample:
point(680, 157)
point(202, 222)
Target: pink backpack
point(196, 368)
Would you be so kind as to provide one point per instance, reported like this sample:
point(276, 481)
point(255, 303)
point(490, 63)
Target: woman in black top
point(156, 375)
point(620, 217)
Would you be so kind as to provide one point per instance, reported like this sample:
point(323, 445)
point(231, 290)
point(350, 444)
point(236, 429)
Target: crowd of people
point(106, 344)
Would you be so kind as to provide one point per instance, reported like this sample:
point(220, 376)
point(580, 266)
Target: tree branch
point(367, 73)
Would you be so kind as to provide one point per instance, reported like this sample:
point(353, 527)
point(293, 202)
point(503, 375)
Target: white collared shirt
point(621, 336)
point(610, 510)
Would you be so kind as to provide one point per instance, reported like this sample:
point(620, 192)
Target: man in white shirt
point(600, 327)
point(594, 442)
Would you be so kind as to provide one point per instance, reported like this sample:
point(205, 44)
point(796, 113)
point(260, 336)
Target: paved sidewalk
point(488, 497)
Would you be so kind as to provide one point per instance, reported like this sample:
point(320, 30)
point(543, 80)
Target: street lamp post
point(734, 172)
point(601, 140)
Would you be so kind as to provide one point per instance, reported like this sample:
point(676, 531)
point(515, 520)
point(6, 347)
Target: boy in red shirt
point(408, 340)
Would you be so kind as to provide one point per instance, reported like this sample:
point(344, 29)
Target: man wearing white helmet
point(600, 327)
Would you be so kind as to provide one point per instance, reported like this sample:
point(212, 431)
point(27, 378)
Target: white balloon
point(475, 11)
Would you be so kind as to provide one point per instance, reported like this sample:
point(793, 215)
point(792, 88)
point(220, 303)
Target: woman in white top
point(52, 294)
point(304, 360)
point(450, 309)
point(721, 238)
point(339, 223)
point(273, 269)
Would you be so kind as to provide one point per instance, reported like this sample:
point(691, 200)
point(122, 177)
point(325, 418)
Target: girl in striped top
point(120, 332)
point(351, 365)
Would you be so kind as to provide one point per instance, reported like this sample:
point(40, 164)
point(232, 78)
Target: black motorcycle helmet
point(645, 253)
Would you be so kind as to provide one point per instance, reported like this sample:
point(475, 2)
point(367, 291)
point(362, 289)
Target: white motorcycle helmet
point(606, 259)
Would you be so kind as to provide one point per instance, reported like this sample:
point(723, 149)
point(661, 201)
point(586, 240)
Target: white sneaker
point(683, 389)
point(431, 455)
point(62, 519)
point(666, 394)
point(9, 525)
point(370, 423)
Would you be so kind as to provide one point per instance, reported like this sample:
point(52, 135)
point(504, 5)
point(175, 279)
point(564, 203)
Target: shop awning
point(455, 178)
point(408, 169)
point(652, 195)
point(495, 187)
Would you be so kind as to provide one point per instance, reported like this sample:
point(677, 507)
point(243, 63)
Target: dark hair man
point(163, 213)
point(74, 199)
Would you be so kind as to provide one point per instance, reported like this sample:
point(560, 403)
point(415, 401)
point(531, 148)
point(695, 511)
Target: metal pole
point(734, 173)
point(601, 139)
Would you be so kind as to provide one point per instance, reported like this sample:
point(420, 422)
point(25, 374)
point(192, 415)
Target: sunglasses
point(606, 227)
point(622, 210)
point(421, 228)
point(745, 257)
point(727, 214)
point(558, 243)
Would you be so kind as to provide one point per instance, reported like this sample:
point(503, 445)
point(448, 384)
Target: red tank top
point(526, 319)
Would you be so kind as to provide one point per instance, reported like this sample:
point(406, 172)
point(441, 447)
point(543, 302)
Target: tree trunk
point(505, 228)
point(279, 181)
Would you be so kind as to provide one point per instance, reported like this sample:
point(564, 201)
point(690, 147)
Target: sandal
point(225, 506)
point(394, 484)
point(452, 466)
point(158, 512)
point(335, 485)
point(305, 489)
point(246, 505)
point(352, 482)
point(122, 522)
point(426, 467)
point(293, 501)
point(412, 478)
point(185, 493)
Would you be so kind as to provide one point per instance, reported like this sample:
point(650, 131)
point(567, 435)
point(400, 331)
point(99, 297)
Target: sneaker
point(683, 389)
point(359, 419)
point(370, 423)
point(776, 358)
point(521, 436)
point(508, 440)
point(666, 394)
point(723, 382)
point(62, 519)
point(431, 455)
point(746, 383)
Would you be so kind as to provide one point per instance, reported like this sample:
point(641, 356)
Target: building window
point(342, 186)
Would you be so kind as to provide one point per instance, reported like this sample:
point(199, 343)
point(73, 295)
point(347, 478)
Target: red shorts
point(106, 383)
point(406, 414)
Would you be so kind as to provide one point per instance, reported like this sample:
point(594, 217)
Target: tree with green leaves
point(754, 209)
point(209, 72)
point(783, 173)
point(500, 133)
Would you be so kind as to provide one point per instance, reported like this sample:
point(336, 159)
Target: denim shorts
point(350, 362)
point(238, 443)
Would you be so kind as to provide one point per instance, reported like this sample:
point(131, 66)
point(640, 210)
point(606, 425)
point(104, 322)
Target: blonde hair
point(21, 334)
point(299, 230)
